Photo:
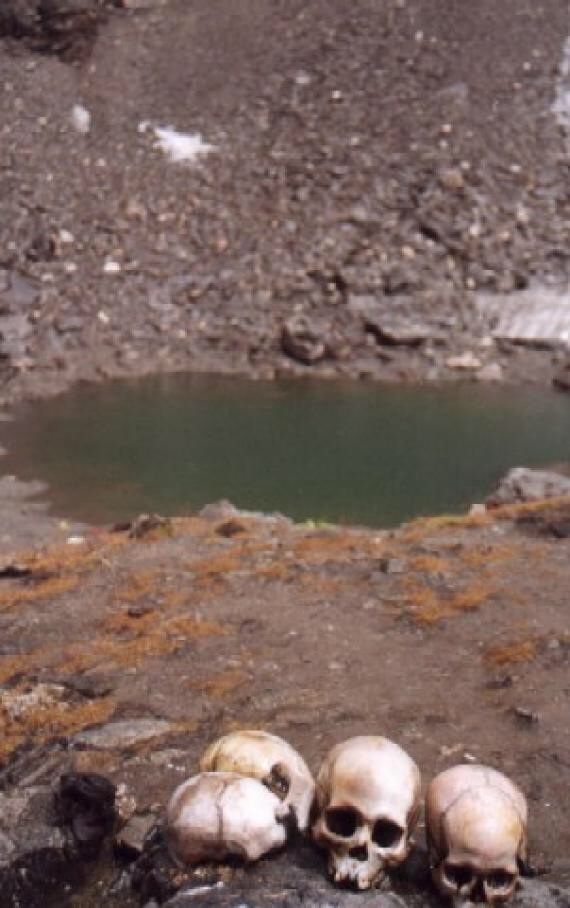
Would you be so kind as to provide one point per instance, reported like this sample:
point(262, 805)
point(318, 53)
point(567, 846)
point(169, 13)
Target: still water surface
point(359, 453)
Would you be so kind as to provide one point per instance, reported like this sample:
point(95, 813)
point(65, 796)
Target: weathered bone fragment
point(368, 799)
point(217, 814)
point(476, 821)
point(271, 760)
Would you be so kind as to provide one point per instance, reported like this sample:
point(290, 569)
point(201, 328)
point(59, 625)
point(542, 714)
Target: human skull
point(271, 760)
point(217, 814)
point(367, 797)
point(476, 822)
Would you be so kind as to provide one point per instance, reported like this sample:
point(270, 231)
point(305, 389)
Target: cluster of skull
point(362, 810)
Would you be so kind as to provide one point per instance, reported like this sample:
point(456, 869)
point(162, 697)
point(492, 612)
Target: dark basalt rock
point(85, 804)
point(64, 27)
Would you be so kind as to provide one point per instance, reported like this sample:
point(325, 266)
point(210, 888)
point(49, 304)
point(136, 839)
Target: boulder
point(302, 342)
point(522, 484)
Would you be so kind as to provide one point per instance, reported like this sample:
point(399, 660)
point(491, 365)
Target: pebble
point(111, 267)
point(80, 119)
point(452, 178)
point(490, 372)
point(466, 362)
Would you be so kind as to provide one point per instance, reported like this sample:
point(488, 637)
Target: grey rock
point(392, 565)
point(492, 372)
point(225, 510)
point(118, 735)
point(537, 317)
point(30, 843)
point(302, 342)
point(400, 334)
point(522, 484)
point(535, 894)
point(17, 293)
point(562, 378)
point(291, 880)
point(390, 330)
point(67, 323)
point(15, 327)
point(130, 840)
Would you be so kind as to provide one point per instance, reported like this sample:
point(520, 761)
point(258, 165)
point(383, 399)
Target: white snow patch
point(178, 146)
point(561, 105)
point(80, 119)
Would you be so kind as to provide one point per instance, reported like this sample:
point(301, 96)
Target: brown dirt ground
point(435, 635)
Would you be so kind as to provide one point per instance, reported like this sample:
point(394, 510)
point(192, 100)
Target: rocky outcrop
point(522, 485)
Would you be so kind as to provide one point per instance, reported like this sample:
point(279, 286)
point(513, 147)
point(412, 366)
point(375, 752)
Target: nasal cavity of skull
point(342, 821)
point(360, 853)
point(499, 879)
point(386, 833)
point(459, 876)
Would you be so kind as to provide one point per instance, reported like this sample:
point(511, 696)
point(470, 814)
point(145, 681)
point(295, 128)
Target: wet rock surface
point(391, 152)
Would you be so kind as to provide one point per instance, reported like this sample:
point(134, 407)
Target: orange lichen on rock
point(485, 556)
point(429, 606)
point(512, 653)
point(46, 721)
point(430, 564)
point(220, 686)
point(157, 637)
point(426, 526)
point(11, 666)
point(39, 591)
point(139, 586)
point(340, 546)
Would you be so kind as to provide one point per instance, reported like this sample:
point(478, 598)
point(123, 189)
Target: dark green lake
point(358, 453)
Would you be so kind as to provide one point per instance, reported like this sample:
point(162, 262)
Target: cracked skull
point(367, 802)
point(217, 814)
point(271, 760)
point(476, 822)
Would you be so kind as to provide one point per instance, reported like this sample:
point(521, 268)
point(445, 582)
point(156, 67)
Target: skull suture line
point(367, 797)
point(217, 814)
point(271, 760)
point(476, 821)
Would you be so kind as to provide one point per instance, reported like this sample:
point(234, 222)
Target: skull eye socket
point(386, 834)
point(500, 879)
point(458, 876)
point(342, 821)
